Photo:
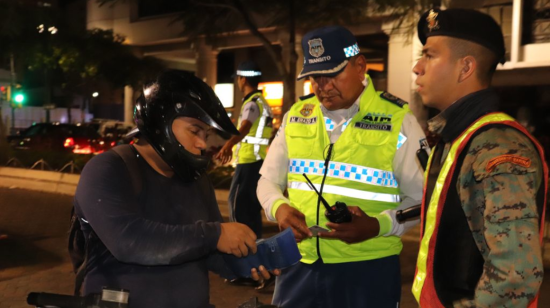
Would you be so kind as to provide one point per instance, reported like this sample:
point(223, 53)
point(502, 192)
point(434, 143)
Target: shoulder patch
point(310, 95)
point(393, 99)
point(508, 158)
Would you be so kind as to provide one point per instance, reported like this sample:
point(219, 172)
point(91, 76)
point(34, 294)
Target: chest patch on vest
point(513, 159)
point(303, 120)
point(384, 127)
point(393, 99)
point(375, 121)
point(307, 110)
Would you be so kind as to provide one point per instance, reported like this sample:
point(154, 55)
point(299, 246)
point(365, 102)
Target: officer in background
point(368, 140)
point(486, 182)
point(250, 146)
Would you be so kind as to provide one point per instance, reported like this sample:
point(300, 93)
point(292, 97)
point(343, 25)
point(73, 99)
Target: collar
point(366, 83)
point(451, 122)
point(249, 95)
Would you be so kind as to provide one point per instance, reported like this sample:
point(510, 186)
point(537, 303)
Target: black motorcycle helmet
point(179, 94)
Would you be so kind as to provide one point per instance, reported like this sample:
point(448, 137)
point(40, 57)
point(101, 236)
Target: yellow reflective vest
point(423, 286)
point(253, 147)
point(360, 171)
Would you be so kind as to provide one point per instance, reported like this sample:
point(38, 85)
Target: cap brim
point(323, 69)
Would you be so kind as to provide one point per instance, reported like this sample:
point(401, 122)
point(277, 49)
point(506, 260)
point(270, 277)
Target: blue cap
point(327, 50)
point(248, 69)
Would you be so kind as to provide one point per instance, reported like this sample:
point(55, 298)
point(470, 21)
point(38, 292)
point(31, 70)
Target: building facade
point(391, 51)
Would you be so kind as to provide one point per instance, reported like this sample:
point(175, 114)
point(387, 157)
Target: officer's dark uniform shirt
point(497, 210)
point(159, 244)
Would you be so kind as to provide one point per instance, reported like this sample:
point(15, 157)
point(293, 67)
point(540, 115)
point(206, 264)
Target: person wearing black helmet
point(486, 182)
point(159, 235)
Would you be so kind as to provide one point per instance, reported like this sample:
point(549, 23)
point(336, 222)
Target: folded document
point(276, 252)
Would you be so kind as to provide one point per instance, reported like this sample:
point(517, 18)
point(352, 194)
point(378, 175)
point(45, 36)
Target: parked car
point(111, 131)
point(73, 138)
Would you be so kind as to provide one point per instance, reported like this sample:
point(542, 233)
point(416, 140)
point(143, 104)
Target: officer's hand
point(236, 239)
point(264, 273)
point(288, 216)
point(225, 154)
point(361, 228)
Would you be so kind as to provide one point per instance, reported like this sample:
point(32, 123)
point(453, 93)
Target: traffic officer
point(250, 146)
point(368, 141)
point(486, 182)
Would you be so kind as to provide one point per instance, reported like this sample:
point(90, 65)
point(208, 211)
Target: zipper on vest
point(327, 161)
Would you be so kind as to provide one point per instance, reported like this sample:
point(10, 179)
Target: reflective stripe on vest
point(423, 284)
point(348, 192)
point(340, 170)
point(253, 146)
point(255, 140)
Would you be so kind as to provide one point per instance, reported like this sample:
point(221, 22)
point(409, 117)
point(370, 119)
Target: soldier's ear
point(468, 68)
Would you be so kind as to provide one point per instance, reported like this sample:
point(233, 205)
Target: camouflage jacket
point(500, 205)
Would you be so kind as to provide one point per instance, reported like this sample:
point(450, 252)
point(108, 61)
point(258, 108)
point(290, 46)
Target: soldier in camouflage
point(486, 182)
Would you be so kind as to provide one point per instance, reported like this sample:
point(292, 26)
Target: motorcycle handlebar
point(56, 300)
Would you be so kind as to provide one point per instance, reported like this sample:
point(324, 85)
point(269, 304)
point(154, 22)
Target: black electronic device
point(338, 213)
point(109, 298)
point(410, 213)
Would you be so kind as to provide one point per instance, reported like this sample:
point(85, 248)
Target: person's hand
point(361, 228)
point(264, 274)
point(225, 154)
point(288, 216)
point(236, 239)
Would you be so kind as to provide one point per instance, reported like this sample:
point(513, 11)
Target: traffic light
point(4, 91)
point(18, 99)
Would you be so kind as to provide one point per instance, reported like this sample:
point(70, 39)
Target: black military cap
point(464, 24)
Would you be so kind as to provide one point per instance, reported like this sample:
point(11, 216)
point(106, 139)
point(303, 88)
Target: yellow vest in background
point(253, 147)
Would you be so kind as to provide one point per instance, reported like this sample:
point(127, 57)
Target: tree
point(211, 18)
point(77, 62)
point(67, 59)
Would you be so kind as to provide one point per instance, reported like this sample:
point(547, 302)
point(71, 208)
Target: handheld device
point(410, 213)
point(108, 298)
point(338, 213)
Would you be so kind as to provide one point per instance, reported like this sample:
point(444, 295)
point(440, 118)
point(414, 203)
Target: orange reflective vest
point(423, 285)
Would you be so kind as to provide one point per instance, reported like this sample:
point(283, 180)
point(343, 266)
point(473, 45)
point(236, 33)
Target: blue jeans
point(363, 284)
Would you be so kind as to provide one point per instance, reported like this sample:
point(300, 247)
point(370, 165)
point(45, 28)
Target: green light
point(19, 98)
